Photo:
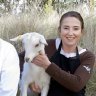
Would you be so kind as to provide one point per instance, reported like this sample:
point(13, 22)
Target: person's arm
point(78, 80)
point(10, 73)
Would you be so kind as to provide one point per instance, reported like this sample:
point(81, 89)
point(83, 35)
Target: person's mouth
point(70, 38)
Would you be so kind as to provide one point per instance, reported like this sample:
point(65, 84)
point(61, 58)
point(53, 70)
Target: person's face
point(70, 31)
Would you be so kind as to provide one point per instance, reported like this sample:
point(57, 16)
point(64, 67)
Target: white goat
point(33, 44)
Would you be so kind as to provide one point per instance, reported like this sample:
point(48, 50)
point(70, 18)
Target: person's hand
point(41, 60)
point(35, 88)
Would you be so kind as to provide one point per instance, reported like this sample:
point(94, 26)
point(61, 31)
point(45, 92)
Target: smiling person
point(71, 66)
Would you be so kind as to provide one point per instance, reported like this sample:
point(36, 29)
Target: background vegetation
point(43, 16)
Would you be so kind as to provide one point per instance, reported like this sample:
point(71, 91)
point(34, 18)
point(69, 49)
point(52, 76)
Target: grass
point(91, 86)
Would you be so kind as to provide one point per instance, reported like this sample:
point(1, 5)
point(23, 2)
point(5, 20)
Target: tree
point(1, 1)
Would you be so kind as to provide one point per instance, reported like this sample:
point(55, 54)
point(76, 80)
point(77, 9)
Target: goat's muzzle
point(27, 59)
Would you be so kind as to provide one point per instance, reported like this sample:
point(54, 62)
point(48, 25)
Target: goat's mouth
point(41, 52)
point(28, 60)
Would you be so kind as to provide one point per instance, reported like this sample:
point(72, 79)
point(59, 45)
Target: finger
point(35, 88)
point(35, 60)
point(32, 87)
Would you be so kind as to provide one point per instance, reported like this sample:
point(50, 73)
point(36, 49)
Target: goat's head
point(33, 43)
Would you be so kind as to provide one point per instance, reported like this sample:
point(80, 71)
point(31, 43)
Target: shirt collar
point(57, 42)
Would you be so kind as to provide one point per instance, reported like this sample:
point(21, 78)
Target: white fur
point(33, 43)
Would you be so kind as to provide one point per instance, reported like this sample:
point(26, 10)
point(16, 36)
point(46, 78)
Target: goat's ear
point(18, 38)
point(43, 40)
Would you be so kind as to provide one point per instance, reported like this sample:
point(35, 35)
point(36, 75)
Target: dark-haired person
point(71, 66)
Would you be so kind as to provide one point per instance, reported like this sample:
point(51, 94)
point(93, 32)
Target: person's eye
point(65, 28)
point(76, 28)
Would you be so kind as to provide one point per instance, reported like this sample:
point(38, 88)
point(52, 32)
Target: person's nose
point(71, 32)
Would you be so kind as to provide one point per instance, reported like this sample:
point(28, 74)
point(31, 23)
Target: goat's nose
point(26, 59)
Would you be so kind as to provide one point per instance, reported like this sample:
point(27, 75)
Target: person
point(70, 67)
point(9, 69)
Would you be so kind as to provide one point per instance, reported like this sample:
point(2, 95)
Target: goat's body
point(33, 44)
point(32, 73)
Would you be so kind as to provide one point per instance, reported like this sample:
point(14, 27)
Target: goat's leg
point(44, 91)
point(23, 90)
point(24, 80)
point(23, 87)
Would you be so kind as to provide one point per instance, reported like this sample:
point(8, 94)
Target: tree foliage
point(48, 5)
point(2, 1)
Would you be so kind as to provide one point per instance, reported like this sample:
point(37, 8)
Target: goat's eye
point(36, 45)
